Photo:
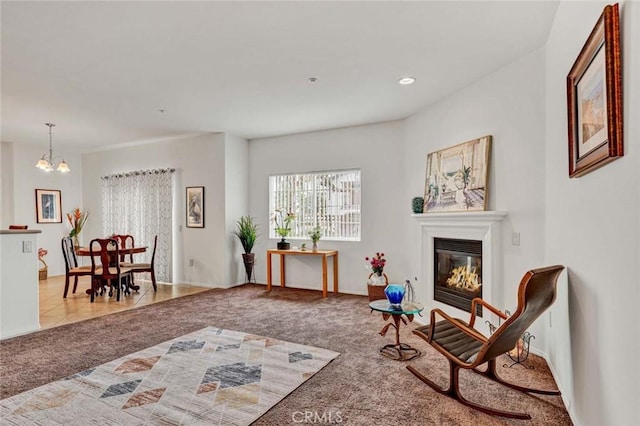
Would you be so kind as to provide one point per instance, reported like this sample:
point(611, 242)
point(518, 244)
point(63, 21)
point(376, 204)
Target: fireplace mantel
point(484, 226)
point(461, 217)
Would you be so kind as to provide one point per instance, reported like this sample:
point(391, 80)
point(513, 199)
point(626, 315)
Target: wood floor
point(55, 311)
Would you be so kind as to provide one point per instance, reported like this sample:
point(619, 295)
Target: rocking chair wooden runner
point(465, 347)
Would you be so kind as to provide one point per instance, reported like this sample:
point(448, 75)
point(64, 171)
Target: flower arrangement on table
point(77, 218)
point(282, 222)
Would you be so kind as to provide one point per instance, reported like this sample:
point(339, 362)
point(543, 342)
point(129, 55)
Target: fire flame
point(464, 277)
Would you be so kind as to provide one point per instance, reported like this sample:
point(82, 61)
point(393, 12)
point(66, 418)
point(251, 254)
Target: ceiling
point(102, 71)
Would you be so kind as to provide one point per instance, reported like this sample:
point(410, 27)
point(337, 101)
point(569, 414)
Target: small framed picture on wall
point(195, 207)
point(48, 206)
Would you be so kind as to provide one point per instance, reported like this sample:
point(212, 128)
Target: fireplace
point(457, 272)
point(482, 226)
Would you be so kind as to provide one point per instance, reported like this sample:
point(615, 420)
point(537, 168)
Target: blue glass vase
point(394, 293)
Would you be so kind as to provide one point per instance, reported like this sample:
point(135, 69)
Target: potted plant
point(42, 272)
point(315, 235)
point(377, 279)
point(77, 218)
point(283, 227)
point(247, 233)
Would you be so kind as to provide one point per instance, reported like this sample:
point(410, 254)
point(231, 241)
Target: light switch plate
point(27, 246)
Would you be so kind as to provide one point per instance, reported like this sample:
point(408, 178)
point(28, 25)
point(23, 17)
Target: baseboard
point(567, 402)
point(198, 284)
point(21, 331)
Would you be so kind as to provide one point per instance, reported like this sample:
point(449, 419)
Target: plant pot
point(283, 245)
point(376, 292)
point(42, 272)
point(376, 286)
point(249, 260)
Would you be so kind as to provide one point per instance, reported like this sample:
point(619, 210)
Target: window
point(330, 200)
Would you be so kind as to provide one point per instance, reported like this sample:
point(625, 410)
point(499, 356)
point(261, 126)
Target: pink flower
point(377, 263)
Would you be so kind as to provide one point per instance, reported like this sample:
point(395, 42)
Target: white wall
point(24, 179)
point(199, 161)
point(593, 227)
point(509, 105)
point(236, 167)
point(19, 303)
point(6, 177)
point(375, 151)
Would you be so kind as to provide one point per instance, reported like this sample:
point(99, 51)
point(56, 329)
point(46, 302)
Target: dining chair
point(147, 267)
point(127, 241)
point(108, 271)
point(72, 269)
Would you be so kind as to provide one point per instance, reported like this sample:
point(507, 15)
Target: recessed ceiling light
point(313, 79)
point(406, 80)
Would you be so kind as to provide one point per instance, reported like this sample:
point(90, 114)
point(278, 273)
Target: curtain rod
point(139, 173)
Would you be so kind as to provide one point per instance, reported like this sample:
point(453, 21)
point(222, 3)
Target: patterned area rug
point(211, 376)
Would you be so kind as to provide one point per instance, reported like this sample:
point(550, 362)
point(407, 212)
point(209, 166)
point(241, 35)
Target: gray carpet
point(359, 387)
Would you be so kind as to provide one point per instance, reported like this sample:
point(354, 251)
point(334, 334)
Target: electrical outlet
point(515, 239)
point(27, 246)
point(191, 263)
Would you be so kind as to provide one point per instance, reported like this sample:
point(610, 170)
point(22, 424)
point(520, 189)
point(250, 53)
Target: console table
point(323, 253)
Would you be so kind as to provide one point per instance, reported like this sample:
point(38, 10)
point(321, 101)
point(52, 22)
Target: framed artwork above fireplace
point(457, 177)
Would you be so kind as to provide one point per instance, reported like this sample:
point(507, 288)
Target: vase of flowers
point(77, 218)
point(282, 222)
point(315, 235)
point(378, 280)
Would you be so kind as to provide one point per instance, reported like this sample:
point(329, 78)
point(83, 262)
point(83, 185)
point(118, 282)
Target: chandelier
point(47, 163)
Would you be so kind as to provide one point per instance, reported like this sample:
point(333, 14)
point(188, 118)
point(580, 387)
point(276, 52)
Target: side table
point(398, 351)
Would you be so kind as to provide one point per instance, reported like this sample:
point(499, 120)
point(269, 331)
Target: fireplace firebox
point(458, 272)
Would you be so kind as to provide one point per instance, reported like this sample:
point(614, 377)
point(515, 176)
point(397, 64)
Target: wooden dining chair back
point(125, 241)
point(148, 267)
point(105, 267)
point(467, 348)
point(72, 269)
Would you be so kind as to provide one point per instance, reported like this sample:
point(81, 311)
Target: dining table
point(86, 251)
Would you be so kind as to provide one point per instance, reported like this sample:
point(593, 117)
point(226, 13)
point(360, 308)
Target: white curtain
point(139, 203)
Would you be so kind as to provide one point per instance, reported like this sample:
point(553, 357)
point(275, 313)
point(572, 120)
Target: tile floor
point(55, 311)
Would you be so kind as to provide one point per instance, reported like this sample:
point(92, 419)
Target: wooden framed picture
point(457, 177)
point(195, 207)
point(594, 98)
point(48, 206)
